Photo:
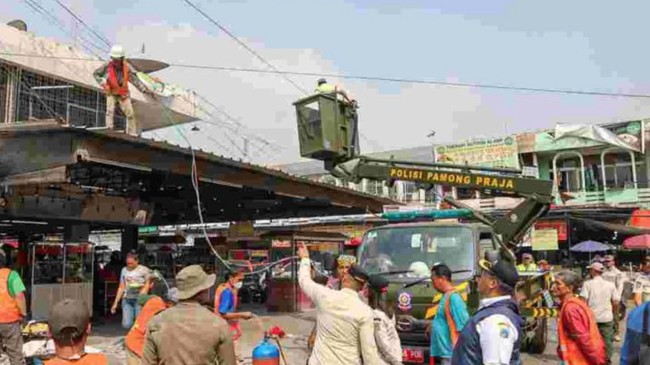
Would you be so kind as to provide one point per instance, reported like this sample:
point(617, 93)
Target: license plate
point(413, 355)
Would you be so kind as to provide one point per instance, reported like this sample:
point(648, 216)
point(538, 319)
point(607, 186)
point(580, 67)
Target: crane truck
point(328, 131)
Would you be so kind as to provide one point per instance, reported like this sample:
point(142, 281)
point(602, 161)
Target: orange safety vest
point(568, 348)
point(134, 340)
point(87, 359)
point(453, 331)
point(9, 312)
point(235, 329)
point(112, 82)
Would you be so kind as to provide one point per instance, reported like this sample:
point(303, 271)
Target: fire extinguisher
point(266, 353)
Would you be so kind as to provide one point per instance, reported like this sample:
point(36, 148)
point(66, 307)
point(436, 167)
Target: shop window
point(619, 171)
point(569, 175)
point(375, 187)
point(464, 193)
point(411, 192)
point(430, 196)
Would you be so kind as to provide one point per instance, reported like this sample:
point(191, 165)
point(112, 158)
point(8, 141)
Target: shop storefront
point(284, 294)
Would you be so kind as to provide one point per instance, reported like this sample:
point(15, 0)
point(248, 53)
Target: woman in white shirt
point(386, 337)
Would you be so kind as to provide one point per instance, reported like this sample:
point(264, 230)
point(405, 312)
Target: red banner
point(559, 225)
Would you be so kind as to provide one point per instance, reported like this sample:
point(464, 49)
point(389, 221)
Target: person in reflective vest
point(13, 308)
point(69, 325)
point(527, 263)
point(115, 77)
point(493, 334)
point(450, 317)
point(134, 340)
point(225, 305)
point(324, 87)
point(579, 340)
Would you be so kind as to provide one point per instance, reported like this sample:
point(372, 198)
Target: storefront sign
point(544, 239)
point(148, 230)
point(241, 229)
point(494, 152)
point(259, 253)
point(526, 142)
point(281, 244)
point(558, 225)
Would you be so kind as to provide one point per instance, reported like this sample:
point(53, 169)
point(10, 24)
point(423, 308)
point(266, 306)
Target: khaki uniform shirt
point(599, 294)
point(615, 276)
point(642, 285)
point(188, 334)
point(345, 324)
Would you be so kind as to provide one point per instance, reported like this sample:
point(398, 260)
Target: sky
point(577, 45)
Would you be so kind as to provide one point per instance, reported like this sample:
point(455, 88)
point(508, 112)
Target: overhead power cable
point(376, 78)
point(47, 14)
point(243, 44)
point(99, 36)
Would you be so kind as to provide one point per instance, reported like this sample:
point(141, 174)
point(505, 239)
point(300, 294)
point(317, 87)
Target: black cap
point(358, 274)
point(321, 81)
point(68, 313)
point(378, 283)
point(503, 270)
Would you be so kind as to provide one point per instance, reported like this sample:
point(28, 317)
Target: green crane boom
point(328, 131)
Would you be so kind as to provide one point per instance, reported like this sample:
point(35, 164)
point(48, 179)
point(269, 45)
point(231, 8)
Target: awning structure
point(53, 172)
point(622, 229)
point(593, 133)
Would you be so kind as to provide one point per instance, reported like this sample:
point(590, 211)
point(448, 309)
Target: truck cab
point(404, 253)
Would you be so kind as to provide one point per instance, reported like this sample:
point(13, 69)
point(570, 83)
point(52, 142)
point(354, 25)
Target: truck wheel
point(537, 343)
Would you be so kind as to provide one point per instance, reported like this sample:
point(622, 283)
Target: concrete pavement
point(109, 337)
point(297, 326)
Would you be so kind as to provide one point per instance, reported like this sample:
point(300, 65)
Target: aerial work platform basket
point(327, 127)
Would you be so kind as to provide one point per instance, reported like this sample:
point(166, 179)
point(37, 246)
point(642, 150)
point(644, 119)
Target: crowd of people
point(591, 310)
point(588, 321)
point(355, 323)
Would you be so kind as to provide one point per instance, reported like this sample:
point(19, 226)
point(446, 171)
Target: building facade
point(42, 80)
point(593, 166)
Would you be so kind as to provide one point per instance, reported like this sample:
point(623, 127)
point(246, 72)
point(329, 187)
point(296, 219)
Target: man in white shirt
point(614, 276)
point(492, 336)
point(603, 298)
point(345, 324)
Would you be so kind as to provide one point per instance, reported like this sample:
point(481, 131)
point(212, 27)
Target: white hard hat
point(117, 51)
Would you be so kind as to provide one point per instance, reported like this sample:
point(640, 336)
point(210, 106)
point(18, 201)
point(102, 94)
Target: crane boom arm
point(536, 193)
point(328, 131)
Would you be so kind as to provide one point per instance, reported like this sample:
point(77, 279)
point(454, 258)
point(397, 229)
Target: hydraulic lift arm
point(328, 131)
point(509, 229)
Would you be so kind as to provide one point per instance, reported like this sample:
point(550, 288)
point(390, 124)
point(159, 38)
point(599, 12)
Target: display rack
point(60, 270)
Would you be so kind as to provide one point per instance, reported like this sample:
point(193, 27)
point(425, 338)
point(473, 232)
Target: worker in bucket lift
point(323, 87)
point(114, 77)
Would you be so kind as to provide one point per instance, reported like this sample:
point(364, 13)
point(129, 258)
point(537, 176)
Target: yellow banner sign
point(544, 239)
point(453, 178)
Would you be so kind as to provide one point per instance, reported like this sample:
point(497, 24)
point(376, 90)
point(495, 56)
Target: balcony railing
point(613, 197)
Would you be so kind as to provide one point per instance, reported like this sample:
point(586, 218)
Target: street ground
point(108, 338)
